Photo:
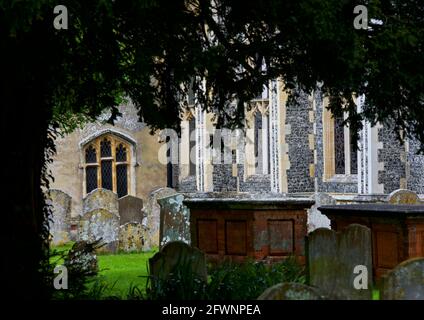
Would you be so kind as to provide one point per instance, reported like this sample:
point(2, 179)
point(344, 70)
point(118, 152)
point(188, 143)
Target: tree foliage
point(153, 51)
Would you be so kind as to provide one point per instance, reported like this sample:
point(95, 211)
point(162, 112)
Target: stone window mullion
point(113, 144)
point(99, 166)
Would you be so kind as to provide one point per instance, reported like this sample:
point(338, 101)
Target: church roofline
point(101, 132)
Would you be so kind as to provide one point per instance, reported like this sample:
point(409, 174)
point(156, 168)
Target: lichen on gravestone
point(131, 237)
point(100, 224)
point(82, 259)
point(59, 225)
point(403, 196)
point(174, 219)
point(405, 281)
point(152, 216)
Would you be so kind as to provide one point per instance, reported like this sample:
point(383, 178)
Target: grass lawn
point(119, 271)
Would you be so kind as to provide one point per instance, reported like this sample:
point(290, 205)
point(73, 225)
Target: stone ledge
point(375, 209)
point(253, 204)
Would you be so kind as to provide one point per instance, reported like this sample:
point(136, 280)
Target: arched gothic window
point(107, 160)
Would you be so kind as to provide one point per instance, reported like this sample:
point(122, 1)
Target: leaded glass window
point(107, 165)
point(339, 145)
point(121, 153)
point(107, 174)
point(90, 155)
point(91, 178)
point(105, 148)
point(122, 180)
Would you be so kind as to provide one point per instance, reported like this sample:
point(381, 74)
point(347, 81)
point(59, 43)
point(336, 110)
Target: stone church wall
point(67, 168)
point(415, 169)
point(300, 149)
point(397, 166)
point(223, 179)
point(393, 157)
point(344, 186)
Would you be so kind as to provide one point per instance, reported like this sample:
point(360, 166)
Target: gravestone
point(130, 209)
point(333, 258)
point(101, 199)
point(315, 218)
point(82, 258)
point(405, 282)
point(59, 225)
point(100, 224)
point(152, 216)
point(290, 291)
point(175, 255)
point(131, 237)
point(322, 259)
point(174, 220)
point(403, 196)
point(100, 219)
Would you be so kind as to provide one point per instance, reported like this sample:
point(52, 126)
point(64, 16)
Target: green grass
point(375, 294)
point(118, 272)
point(57, 251)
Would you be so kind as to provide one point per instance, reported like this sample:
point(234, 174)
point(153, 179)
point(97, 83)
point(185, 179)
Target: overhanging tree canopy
point(151, 51)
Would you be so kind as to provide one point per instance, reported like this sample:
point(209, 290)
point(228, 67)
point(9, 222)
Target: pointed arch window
point(107, 165)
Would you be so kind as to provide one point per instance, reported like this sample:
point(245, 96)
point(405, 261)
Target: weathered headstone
point(82, 258)
point(130, 209)
point(59, 225)
point(174, 220)
point(405, 282)
point(340, 263)
point(403, 196)
point(131, 237)
point(100, 224)
point(290, 291)
point(152, 216)
point(315, 218)
point(354, 251)
point(322, 259)
point(101, 199)
point(174, 255)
